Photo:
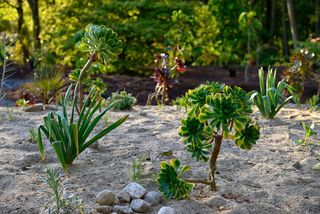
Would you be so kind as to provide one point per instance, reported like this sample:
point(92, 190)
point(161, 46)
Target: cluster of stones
point(134, 198)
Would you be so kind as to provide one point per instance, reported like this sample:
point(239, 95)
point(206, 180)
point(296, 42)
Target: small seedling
point(308, 132)
point(32, 135)
point(137, 168)
point(314, 103)
point(60, 201)
point(10, 113)
point(125, 100)
point(106, 120)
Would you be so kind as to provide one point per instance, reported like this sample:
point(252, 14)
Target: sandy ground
point(262, 180)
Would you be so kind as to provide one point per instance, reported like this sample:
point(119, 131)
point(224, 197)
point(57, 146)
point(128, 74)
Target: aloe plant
point(214, 112)
point(270, 99)
point(69, 137)
point(103, 44)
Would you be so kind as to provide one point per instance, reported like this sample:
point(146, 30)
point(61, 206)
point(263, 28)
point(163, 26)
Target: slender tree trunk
point(272, 20)
point(284, 31)
point(247, 62)
point(293, 25)
point(317, 13)
point(21, 31)
point(213, 161)
point(34, 6)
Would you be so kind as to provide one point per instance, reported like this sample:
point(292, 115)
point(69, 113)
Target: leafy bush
point(60, 201)
point(48, 83)
point(70, 138)
point(214, 112)
point(270, 99)
point(126, 100)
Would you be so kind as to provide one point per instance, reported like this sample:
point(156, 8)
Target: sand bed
point(262, 180)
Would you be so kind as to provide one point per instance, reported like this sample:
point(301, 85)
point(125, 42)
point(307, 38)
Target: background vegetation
point(200, 32)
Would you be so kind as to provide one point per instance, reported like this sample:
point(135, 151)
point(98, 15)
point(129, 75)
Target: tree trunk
point(21, 31)
point(293, 25)
point(317, 14)
point(213, 161)
point(34, 6)
point(284, 31)
point(272, 20)
point(247, 60)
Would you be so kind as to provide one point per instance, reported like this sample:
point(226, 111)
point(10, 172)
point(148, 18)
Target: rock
point(122, 209)
point(50, 107)
point(297, 165)
point(140, 205)
point(105, 197)
point(135, 190)
point(123, 197)
point(216, 202)
point(166, 210)
point(104, 209)
point(34, 108)
point(153, 198)
point(94, 145)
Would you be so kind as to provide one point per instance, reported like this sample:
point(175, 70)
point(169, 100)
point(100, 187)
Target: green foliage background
point(200, 32)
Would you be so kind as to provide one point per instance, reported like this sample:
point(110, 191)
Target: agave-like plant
point(270, 99)
point(68, 137)
point(103, 44)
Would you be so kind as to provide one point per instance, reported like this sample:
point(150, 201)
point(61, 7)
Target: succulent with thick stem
point(214, 112)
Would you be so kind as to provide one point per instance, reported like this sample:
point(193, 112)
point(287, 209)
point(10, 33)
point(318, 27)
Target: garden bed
point(266, 179)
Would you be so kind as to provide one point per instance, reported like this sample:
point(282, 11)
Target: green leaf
point(170, 182)
point(247, 137)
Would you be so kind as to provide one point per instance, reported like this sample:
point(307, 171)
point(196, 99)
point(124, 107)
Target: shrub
point(270, 99)
point(70, 138)
point(48, 83)
point(214, 112)
point(126, 100)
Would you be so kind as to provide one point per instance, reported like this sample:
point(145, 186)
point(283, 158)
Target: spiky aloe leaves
point(170, 182)
point(102, 41)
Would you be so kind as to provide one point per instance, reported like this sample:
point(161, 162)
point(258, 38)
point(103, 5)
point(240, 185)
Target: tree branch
point(198, 181)
point(8, 3)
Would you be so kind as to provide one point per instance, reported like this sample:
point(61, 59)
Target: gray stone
point(297, 165)
point(105, 197)
point(140, 205)
point(166, 210)
point(123, 197)
point(122, 209)
point(216, 201)
point(135, 190)
point(153, 198)
point(34, 108)
point(104, 209)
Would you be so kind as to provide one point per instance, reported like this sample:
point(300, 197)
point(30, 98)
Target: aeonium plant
point(214, 112)
point(164, 74)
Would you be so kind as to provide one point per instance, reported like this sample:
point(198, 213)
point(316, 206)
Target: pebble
point(153, 198)
point(123, 209)
point(103, 209)
point(105, 197)
point(166, 210)
point(135, 190)
point(140, 205)
point(123, 197)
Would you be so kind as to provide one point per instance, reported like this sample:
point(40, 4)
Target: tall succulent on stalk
point(270, 99)
point(103, 44)
point(164, 74)
point(214, 112)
